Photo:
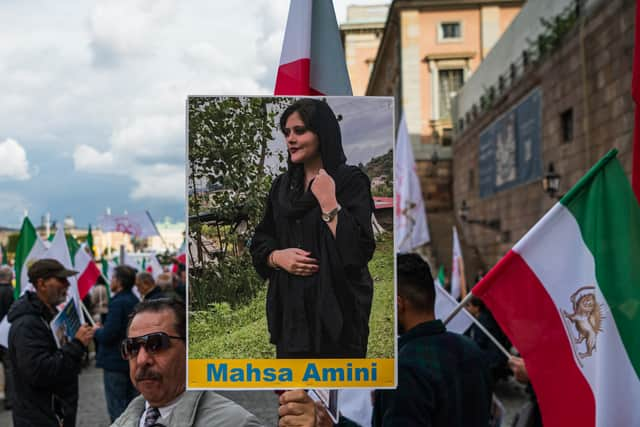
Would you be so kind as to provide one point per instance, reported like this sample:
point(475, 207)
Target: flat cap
point(48, 267)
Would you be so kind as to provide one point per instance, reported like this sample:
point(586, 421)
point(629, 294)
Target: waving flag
point(568, 297)
point(88, 271)
point(138, 224)
point(410, 216)
point(312, 60)
point(59, 250)
point(30, 248)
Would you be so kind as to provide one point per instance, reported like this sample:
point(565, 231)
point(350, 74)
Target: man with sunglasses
point(45, 377)
point(156, 351)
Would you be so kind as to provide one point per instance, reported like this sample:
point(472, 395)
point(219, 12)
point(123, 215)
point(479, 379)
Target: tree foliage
point(229, 144)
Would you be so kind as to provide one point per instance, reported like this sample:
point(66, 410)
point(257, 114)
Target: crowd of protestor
point(444, 379)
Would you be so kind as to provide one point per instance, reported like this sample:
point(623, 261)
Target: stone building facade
point(584, 81)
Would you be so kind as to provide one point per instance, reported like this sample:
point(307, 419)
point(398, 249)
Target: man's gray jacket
point(194, 409)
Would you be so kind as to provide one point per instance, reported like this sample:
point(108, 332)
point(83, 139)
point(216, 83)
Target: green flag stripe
point(27, 239)
point(608, 215)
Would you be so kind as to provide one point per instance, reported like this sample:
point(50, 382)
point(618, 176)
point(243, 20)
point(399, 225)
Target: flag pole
point(491, 337)
point(456, 310)
point(86, 312)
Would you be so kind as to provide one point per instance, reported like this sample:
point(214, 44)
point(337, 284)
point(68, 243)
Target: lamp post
point(551, 182)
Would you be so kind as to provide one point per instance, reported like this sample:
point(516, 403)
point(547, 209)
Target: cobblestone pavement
point(92, 410)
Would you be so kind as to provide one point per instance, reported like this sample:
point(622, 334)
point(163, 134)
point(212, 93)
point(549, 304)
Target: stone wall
point(589, 73)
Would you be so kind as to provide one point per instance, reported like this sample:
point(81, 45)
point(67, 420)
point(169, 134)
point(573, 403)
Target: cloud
point(15, 165)
point(125, 28)
point(150, 137)
point(161, 181)
point(88, 159)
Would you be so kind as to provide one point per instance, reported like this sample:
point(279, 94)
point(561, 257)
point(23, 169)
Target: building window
point(566, 120)
point(471, 181)
point(450, 81)
point(449, 31)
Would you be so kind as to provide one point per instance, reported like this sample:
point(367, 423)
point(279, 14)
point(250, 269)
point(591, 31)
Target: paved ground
point(92, 410)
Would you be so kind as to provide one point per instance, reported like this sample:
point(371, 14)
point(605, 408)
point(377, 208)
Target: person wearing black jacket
point(45, 377)
point(118, 388)
point(315, 241)
point(6, 299)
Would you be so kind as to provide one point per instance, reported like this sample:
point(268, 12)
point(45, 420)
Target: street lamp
point(551, 181)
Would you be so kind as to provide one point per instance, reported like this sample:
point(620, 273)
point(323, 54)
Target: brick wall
point(590, 73)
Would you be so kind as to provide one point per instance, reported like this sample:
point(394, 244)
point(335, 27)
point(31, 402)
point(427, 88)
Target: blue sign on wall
point(510, 149)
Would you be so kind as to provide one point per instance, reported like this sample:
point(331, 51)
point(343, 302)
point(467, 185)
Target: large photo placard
point(290, 242)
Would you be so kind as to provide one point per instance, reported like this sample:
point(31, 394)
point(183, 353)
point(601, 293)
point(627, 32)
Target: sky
point(92, 111)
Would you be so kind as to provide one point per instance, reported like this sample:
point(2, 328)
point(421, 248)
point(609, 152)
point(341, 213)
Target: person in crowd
point(156, 352)
point(45, 377)
point(529, 415)
point(165, 282)
point(495, 358)
point(118, 389)
point(443, 379)
point(315, 241)
point(6, 299)
point(181, 281)
point(147, 286)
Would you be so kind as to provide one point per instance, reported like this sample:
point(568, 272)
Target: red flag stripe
point(527, 314)
point(293, 79)
point(87, 279)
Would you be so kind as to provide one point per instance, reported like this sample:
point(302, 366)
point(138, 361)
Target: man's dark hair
point(162, 304)
point(415, 282)
point(126, 276)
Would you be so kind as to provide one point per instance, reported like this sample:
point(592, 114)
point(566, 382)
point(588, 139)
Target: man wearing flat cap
point(45, 377)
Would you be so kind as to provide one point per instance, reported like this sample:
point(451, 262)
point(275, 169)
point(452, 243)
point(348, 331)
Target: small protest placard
point(65, 325)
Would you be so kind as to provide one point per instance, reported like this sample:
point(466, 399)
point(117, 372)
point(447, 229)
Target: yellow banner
point(290, 373)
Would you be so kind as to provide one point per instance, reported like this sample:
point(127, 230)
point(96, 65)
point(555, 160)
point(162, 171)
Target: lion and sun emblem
point(587, 319)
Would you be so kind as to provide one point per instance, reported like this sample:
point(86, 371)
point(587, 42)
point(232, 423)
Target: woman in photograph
point(315, 241)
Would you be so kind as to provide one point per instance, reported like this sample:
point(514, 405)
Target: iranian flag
point(30, 248)
point(568, 297)
point(312, 60)
point(88, 272)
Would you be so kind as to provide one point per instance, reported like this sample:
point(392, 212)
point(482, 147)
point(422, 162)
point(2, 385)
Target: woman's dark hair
point(317, 117)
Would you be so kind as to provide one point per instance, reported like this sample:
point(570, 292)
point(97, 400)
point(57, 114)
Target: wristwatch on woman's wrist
point(328, 216)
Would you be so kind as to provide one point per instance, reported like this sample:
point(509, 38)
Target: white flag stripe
point(444, 305)
point(60, 252)
point(297, 37)
point(456, 260)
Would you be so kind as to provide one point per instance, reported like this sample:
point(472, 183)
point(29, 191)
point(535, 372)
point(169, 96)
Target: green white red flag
point(88, 272)
point(568, 297)
point(312, 61)
point(29, 249)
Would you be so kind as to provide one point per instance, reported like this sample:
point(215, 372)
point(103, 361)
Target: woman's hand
point(295, 261)
point(324, 189)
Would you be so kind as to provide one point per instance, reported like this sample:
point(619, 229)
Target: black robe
point(325, 314)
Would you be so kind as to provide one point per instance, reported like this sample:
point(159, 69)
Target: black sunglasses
point(152, 343)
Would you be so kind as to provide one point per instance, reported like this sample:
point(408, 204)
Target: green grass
point(223, 333)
